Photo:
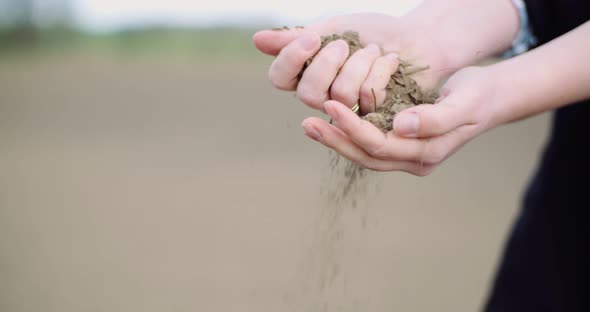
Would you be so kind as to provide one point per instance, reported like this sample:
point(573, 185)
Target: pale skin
point(473, 100)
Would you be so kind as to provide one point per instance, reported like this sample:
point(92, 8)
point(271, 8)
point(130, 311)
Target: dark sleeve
point(552, 18)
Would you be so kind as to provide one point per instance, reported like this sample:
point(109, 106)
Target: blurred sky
point(107, 15)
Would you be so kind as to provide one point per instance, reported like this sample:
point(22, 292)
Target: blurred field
point(151, 180)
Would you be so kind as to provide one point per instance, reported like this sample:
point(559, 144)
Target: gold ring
point(355, 109)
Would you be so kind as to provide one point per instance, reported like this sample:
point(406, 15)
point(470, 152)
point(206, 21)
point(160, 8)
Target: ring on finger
point(355, 109)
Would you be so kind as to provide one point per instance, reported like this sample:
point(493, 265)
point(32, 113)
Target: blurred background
point(146, 164)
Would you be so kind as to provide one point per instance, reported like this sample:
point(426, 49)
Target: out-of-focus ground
point(140, 181)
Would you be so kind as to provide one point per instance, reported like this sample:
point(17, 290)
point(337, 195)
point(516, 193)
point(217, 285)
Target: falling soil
point(402, 92)
point(346, 187)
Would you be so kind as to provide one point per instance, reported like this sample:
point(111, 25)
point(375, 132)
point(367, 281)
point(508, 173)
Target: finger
point(313, 88)
point(336, 139)
point(271, 42)
point(377, 80)
point(370, 138)
point(347, 85)
point(285, 69)
point(438, 149)
point(432, 120)
point(429, 152)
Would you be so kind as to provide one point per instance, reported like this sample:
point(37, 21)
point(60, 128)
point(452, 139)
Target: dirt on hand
point(402, 91)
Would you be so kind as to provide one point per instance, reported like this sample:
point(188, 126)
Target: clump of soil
point(402, 91)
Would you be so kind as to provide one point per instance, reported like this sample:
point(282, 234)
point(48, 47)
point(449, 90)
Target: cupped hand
point(333, 75)
point(423, 136)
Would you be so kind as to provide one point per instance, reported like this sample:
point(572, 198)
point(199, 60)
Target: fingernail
point(309, 41)
point(407, 124)
point(311, 131)
point(392, 56)
point(372, 48)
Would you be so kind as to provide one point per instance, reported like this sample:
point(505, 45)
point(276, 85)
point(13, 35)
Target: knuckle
point(369, 164)
point(366, 91)
point(390, 65)
point(435, 156)
point(383, 68)
point(275, 80)
point(294, 57)
point(340, 91)
point(378, 150)
point(332, 141)
point(434, 124)
point(369, 95)
point(279, 84)
point(309, 97)
point(331, 61)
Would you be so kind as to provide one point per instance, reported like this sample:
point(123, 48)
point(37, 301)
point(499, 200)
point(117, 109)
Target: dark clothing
point(544, 266)
point(553, 18)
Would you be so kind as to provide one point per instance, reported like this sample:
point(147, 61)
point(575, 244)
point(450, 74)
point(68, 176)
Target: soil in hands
point(402, 91)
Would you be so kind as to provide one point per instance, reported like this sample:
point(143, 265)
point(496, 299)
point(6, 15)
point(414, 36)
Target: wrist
point(505, 96)
point(431, 19)
point(467, 31)
point(424, 22)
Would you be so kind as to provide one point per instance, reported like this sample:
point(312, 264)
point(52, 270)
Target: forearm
point(467, 30)
point(552, 76)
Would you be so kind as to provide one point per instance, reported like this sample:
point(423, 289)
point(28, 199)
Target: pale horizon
point(112, 15)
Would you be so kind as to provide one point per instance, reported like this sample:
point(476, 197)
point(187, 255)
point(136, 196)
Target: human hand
point(332, 75)
point(423, 136)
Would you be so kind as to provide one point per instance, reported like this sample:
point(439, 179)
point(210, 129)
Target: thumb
point(272, 41)
point(429, 120)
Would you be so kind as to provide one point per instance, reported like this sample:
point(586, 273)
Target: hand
point(423, 136)
point(332, 76)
